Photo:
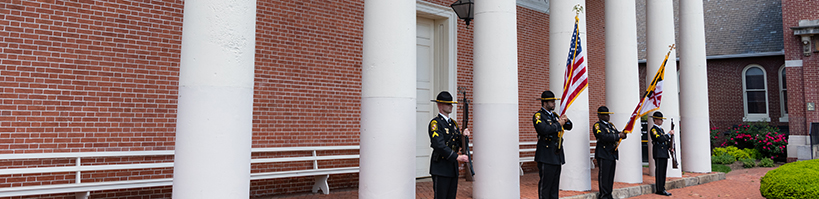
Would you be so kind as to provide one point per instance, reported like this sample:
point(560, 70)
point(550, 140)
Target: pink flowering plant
point(760, 136)
point(715, 136)
point(742, 136)
point(772, 145)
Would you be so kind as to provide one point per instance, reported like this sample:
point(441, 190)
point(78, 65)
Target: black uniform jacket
point(607, 138)
point(445, 140)
point(661, 141)
point(549, 146)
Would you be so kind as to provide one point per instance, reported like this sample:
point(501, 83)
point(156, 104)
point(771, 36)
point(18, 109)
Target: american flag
point(576, 76)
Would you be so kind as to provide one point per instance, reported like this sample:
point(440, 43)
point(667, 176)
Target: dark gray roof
point(731, 26)
point(746, 26)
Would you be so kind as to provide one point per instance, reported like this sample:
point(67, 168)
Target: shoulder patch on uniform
point(537, 117)
point(433, 125)
point(654, 132)
point(597, 126)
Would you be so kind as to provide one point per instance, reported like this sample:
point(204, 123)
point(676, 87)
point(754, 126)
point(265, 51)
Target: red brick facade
point(80, 76)
point(103, 76)
point(803, 82)
point(725, 91)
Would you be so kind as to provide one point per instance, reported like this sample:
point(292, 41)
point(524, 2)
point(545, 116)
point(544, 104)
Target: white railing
point(83, 188)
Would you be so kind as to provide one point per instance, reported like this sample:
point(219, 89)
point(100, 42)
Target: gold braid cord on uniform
point(559, 133)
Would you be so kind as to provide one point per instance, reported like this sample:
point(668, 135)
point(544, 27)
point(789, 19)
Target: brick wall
point(533, 71)
point(802, 81)
point(308, 85)
point(88, 76)
point(725, 95)
point(103, 75)
point(596, 39)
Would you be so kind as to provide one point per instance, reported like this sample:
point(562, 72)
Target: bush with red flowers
point(766, 139)
point(772, 145)
point(715, 137)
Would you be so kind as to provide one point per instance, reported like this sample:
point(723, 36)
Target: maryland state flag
point(652, 98)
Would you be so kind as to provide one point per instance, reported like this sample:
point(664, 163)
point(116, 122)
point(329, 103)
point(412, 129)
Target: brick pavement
point(742, 183)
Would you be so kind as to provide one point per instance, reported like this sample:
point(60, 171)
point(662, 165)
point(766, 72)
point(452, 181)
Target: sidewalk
point(742, 183)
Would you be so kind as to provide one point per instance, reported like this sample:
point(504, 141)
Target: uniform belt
point(545, 138)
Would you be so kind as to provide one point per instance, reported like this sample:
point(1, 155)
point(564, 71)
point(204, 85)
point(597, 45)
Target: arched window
point(755, 96)
point(783, 95)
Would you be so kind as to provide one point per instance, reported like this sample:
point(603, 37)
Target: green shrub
point(755, 154)
point(793, 180)
point(766, 162)
point(731, 150)
point(719, 151)
point(748, 162)
point(723, 159)
point(738, 153)
point(720, 168)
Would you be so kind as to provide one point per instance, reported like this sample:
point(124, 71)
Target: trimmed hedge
point(793, 180)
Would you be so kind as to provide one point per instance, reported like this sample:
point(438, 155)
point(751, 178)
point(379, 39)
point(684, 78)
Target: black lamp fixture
point(464, 10)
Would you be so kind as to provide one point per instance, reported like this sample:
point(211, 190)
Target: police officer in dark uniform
point(549, 153)
point(606, 153)
point(660, 141)
point(445, 139)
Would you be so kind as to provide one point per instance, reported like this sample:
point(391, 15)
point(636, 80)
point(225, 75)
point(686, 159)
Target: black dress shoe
point(665, 193)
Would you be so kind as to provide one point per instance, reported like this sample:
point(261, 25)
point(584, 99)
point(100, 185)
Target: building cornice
point(734, 56)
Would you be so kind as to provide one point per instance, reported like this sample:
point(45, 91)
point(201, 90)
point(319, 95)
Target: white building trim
point(783, 92)
point(754, 117)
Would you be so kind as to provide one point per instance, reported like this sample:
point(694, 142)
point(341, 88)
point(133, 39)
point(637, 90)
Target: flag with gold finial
point(576, 76)
point(652, 97)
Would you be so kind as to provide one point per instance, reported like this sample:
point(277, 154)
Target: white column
point(388, 101)
point(496, 100)
point(575, 175)
point(214, 122)
point(623, 85)
point(694, 142)
point(659, 36)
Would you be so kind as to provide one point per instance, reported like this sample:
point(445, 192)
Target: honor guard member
point(606, 151)
point(445, 140)
point(549, 153)
point(660, 141)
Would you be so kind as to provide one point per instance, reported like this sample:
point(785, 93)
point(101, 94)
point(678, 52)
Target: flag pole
point(637, 113)
point(569, 73)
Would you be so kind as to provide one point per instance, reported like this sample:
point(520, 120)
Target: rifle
point(671, 148)
point(465, 139)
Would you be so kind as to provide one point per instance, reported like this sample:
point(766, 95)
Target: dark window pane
point(784, 80)
point(785, 100)
point(754, 79)
point(756, 102)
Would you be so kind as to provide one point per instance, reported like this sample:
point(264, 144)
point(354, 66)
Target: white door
point(425, 109)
